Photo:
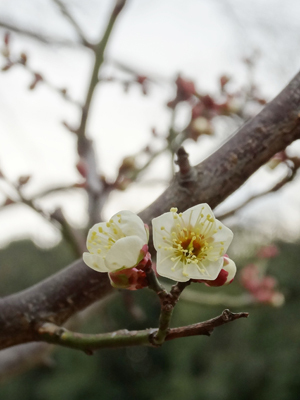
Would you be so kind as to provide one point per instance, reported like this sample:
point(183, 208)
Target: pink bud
point(270, 251)
point(131, 279)
point(82, 168)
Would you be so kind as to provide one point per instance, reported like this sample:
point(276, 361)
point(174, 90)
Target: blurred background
point(175, 72)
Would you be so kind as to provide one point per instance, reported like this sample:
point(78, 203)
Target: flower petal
point(95, 262)
point(164, 266)
point(223, 235)
point(130, 224)
point(124, 253)
point(192, 216)
point(162, 227)
point(97, 240)
point(213, 268)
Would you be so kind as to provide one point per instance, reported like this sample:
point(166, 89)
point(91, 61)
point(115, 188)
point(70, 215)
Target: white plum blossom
point(190, 245)
point(116, 244)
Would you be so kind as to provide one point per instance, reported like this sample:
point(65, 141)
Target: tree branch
point(37, 36)
point(288, 178)
point(74, 288)
point(85, 146)
point(56, 335)
point(54, 299)
point(65, 12)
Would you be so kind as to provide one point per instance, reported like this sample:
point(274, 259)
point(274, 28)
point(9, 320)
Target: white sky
point(203, 39)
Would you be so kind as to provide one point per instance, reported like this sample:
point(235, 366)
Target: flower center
point(190, 246)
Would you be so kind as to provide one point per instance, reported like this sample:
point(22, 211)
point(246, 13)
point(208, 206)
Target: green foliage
point(257, 358)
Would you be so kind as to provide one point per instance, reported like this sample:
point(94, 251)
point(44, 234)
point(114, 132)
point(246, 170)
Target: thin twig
point(54, 334)
point(99, 50)
point(73, 22)
point(38, 36)
point(290, 176)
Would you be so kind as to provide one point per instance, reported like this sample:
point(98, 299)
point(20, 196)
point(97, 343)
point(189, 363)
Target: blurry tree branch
point(73, 22)
point(73, 237)
point(37, 35)
point(288, 178)
point(60, 296)
point(95, 187)
point(20, 358)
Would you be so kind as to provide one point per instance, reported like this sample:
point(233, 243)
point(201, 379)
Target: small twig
point(99, 50)
point(38, 78)
point(168, 302)
point(183, 161)
point(73, 22)
point(206, 327)
point(177, 289)
point(54, 334)
point(290, 176)
point(71, 236)
point(137, 172)
point(52, 190)
point(37, 36)
point(187, 175)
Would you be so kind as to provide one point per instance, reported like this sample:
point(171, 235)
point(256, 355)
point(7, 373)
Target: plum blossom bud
point(133, 278)
point(130, 279)
point(185, 91)
point(37, 78)
point(277, 159)
point(117, 244)
point(82, 168)
point(24, 179)
point(224, 79)
point(270, 251)
point(262, 288)
point(23, 58)
point(201, 126)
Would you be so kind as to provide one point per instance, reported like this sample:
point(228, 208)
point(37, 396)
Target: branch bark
point(74, 288)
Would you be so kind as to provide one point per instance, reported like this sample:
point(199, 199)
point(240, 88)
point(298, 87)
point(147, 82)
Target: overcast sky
point(202, 39)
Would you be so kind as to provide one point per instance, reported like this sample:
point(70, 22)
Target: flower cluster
point(190, 246)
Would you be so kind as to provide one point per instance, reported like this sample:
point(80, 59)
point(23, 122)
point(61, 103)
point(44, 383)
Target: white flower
point(116, 244)
point(190, 245)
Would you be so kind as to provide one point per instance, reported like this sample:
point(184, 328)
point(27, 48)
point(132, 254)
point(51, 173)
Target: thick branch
point(54, 299)
point(62, 295)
